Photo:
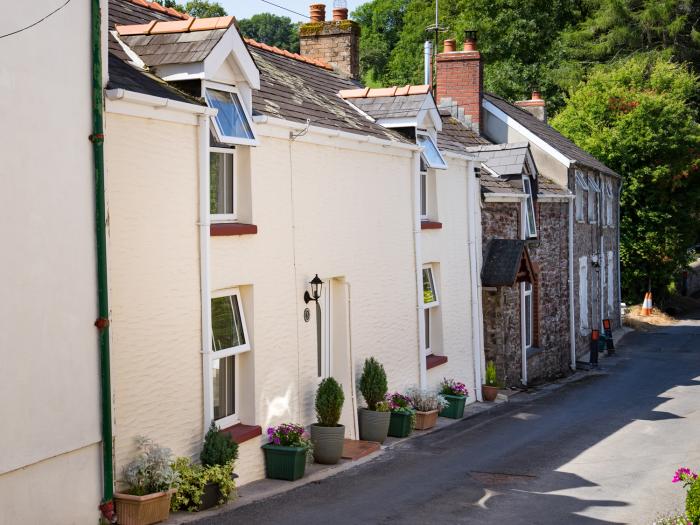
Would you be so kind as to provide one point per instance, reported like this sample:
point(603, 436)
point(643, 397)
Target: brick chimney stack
point(336, 41)
point(535, 106)
point(460, 79)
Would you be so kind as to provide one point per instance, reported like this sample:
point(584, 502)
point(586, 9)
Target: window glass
point(531, 225)
point(224, 386)
point(423, 194)
point(581, 189)
point(593, 196)
point(231, 119)
point(431, 154)
point(221, 196)
point(226, 323)
point(426, 312)
point(429, 292)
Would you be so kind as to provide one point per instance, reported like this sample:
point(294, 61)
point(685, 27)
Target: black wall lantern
point(316, 286)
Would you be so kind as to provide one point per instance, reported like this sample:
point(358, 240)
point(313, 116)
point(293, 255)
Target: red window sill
point(242, 433)
point(223, 229)
point(430, 225)
point(432, 360)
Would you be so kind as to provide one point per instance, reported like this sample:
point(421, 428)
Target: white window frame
point(581, 195)
point(428, 310)
point(436, 302)
point(227, 217)
point(220, 137)
point(530, 208)
point(442, 166)
point(583, 294)
point(609, 203)
point(424, 191)
point(593, 200)
point(233, 418)
point(528, 297)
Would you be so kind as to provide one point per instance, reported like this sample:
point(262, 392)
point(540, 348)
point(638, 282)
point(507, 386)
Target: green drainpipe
point(102, 322)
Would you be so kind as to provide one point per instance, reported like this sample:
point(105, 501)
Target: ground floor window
point(528, 312)
point(229, 338)
point(431, 309)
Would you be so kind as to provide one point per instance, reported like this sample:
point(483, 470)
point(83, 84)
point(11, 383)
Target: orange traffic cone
point(647, 304)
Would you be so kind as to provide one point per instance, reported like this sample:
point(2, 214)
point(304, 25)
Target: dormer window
point(530, 203)
point(231, 124)
point(430, 152)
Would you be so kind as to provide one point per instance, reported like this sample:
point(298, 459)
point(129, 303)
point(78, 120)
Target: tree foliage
point(637, 116)
point(273, 30)
point(196, 8)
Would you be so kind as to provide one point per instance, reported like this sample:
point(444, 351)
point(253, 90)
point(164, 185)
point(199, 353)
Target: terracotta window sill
point(432, 360)
point(242, 433)
point(223, 229)
point(430, 225)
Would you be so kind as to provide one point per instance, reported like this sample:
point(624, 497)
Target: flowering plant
point(290, 435)
point(399, 403)
point(427, 400)
point(692, 499)
point(450, 387)
point(152, 470)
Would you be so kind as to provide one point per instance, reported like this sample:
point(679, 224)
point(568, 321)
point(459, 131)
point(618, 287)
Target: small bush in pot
point(489, 389)
point(194, 493)
point(219, 448)
point(287, 452)
point(374, 420)
point(402, 415)
point(327, 435)
point(427, 404)
point(151, 480)
point(455, 393)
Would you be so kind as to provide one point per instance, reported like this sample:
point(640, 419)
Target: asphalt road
point(598, 451)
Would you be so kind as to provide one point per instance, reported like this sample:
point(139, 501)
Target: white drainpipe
point(474, 232)
point(418, 255)
point(572, 321)
point(427, 62)
point(204, 265)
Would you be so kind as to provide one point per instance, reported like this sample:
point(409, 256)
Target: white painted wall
point(49, 378)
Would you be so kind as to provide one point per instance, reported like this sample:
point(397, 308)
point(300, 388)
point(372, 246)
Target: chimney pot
point(536, 95)
point(470, 40)
point(340, 13)
point(449, 46)
point(317, 12)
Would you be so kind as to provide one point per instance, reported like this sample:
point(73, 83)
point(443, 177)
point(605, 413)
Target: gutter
point(158, 102)
point(102, 322)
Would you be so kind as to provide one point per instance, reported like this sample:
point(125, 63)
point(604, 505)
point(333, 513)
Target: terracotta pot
point(426, 420)
point(143, 510)
point(317, 12)
point(489, 393)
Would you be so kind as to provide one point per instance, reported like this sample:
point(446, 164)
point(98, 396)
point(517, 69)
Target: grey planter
point(374, 426)
point(328, 443)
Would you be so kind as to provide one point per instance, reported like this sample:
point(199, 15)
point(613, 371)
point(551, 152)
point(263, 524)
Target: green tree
point(637, 116)
point(196, 8)
point(273, 30)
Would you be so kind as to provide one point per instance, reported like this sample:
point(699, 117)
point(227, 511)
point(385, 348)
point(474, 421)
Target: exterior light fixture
point(316, 286)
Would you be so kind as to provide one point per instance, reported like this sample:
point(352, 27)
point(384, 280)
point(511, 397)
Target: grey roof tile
point(503, 259)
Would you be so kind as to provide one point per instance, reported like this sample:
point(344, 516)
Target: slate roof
point(455, 136)
point(548, 134)
point(505, 159)
point(503, 260)
point(294, 90)
point(174, 48)
point(129, 12)
point(391, 107)
point(546, 186)
point(490, 184)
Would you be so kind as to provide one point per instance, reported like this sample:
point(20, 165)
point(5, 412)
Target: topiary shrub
point(219, 448)
point(373, 385)
point(692, 503)
point(329, 402)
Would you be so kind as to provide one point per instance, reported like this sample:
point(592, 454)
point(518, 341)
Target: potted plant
point(456, 394)
point(402, 415)
point(219, 450)
point(427, 404)
point(287, 452)
point(374, 420)
point(489, 390)
point(195, 492)
point(151, 481)
point(327, 435)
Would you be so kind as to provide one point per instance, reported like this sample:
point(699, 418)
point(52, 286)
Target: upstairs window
point(222, 184)
point(231, 123)
point(609, 203)
point(423, 190)
point(530, 203)
point(431, 311)
point(581, 189)
point(593, 199)
point(431, 154)
point(430, 297)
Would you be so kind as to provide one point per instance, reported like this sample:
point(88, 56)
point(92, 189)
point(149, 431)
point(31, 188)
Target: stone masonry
point(334, 42)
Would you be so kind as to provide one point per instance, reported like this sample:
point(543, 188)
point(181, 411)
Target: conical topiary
point(373, 385)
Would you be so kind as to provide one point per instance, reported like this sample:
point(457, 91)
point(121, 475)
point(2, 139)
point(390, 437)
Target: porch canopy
point(507, 262)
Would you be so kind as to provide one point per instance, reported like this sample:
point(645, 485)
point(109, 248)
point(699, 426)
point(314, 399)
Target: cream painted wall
point(152, 188)
point(49, 378)
point(344, 214)
point(448, 247)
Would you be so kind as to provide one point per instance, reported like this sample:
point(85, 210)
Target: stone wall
point(337, 43)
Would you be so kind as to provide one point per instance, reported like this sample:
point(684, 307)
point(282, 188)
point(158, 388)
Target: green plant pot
point(456, 408)
point(373, 425)
point(287, 463)
point(399, 425)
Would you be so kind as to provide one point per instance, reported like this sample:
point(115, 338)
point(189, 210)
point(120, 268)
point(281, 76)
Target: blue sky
point(247, 8)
